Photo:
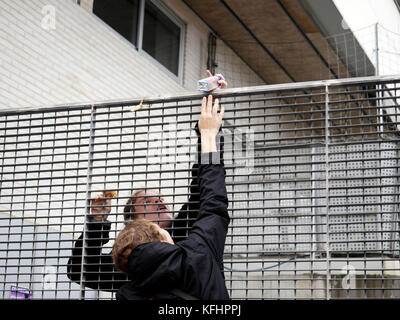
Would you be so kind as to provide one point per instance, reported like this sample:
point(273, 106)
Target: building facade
point(60, 52)
point(317, 206)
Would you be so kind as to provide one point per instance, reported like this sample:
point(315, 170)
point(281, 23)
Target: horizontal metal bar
point(222, 93)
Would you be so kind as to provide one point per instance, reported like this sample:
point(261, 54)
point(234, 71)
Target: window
point(161, 38)
point(150, 26)
point(121, 15)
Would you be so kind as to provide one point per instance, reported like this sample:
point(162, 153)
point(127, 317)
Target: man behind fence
point(97, 270)
point(160, 269)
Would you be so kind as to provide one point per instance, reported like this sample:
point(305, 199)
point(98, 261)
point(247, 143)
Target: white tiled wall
point(82, 59)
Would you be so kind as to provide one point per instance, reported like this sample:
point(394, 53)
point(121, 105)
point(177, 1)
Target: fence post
point(376, 50)
point(378, 87)
point(327, 244)
point(88, 197)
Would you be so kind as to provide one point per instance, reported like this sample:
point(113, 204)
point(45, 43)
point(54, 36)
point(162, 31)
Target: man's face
point(151, 206)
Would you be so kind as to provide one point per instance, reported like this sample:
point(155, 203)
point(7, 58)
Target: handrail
point(196, 95)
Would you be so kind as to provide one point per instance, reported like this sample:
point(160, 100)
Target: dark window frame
point(172, 16)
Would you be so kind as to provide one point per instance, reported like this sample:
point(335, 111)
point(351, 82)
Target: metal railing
point(311, 172)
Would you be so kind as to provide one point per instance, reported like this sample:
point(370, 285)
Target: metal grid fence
point(314, 211)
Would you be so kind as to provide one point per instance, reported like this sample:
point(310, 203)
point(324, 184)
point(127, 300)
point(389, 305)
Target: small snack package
point(208, 84)
point(110, 194)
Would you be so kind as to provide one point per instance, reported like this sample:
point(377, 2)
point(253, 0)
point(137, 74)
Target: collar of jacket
point(154, 266)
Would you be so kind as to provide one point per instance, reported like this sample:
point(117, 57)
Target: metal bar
point(88, 197)
point(223, 93)
point(327, 141)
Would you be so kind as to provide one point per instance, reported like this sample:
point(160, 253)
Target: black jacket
point(192, 265)
point(98, 268)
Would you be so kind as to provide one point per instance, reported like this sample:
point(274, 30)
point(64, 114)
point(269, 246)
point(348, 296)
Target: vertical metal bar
point(314, 218)
point(396, 206)
point(12, 204)
point(88, 195)
point(355, 56)
point(121, 148)
point(327, 244)
point(35, 228)
point(140, 24)
point(2, 165)
point(175, 146)
point(376, 49)
point(20, 227)
point(65, 158)
point(377, 71)
point(347, 53)
point(338, 60)
point(248, 214)
point(53, 176)
point(77, 180)
point(34, 253)
point(36, 286)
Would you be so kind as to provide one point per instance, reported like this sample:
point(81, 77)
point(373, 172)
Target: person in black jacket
point(98, 268)
point(157, 267)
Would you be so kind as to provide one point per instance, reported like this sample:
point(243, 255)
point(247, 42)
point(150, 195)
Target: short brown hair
point(136, 232)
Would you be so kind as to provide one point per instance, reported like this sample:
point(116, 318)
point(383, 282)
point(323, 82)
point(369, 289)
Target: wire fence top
point(232, 92)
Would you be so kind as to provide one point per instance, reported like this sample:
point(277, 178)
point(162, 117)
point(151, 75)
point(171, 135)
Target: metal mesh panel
point(314, 212)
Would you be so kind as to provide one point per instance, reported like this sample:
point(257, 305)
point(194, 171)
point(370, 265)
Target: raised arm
point(98, 269)
point(212, 222)
point(187, 215)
